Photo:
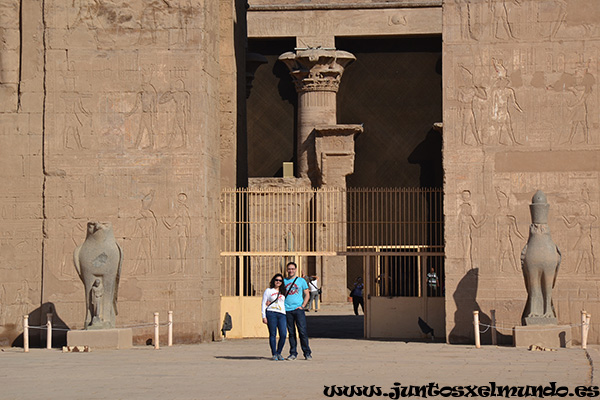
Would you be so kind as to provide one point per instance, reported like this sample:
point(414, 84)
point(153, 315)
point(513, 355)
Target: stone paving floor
point(241, 369)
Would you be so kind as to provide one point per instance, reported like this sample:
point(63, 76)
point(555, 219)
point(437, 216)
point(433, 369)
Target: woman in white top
point(273, 314)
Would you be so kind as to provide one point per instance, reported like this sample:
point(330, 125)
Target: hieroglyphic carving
point(147, 97)
point(71, 229)
point(181, 223)
point(502, 97)
point(467, 223)
point(561, 9)
point(464, 11)
point(74, 111)
point(578, 106)
point(506, 230)
point(151, 20)
point(23, 301)
point(181, 115)
point(145, 233)
point(467, 93)
point(584, 247)
point(500, 10)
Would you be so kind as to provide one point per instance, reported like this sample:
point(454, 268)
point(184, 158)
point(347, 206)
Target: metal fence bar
point(402, 228)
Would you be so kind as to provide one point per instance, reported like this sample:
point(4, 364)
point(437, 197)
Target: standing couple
point(283, 309)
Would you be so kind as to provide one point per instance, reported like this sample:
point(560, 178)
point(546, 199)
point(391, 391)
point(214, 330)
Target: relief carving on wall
point(503, 97)
point(468, 92)
point(142, 22)
point(507, 232)
point(582, 220)
point(181, 224)
point(469, 223)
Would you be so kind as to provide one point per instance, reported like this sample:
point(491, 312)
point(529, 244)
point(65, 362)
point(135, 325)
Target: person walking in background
point(295, 301)
point(313, 287)
point(273, 315)
point(357, 295)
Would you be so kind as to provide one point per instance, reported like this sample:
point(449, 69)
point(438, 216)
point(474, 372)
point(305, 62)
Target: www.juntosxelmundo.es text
point(433, 389)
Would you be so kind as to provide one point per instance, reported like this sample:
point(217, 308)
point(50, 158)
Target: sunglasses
point(278, 280)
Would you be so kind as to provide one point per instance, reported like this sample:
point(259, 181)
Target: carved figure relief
point(503, 96)
point(464, 11)
point(561, 10)
point(506, 230)
point(499, 10)
point(151, 20)
point(75, 114)
point(467, 93)
point(467, 224)
point(584, 246)
point(23, 301)
point(107, 19)
point(147, 98)
point(179, 118)
point(185, 14)
point(98, 262)
point(578, 106)
point(71, 229)
point(181, 223)
point(145, 233)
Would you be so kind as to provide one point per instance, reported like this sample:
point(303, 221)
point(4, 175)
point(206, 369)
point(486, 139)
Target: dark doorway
point(271, 110)
point(395, 89)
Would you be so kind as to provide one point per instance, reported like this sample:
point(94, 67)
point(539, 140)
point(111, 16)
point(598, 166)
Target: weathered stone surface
point(520, 114)
point(551, 336)
point(116, 339)
point(116, 121)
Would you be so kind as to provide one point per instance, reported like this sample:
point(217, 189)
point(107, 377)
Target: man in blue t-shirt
point(295, 300)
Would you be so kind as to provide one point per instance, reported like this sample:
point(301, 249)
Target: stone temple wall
point(108, 114)
point(521, 113)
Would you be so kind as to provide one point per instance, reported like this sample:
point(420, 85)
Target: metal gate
point(395, 233)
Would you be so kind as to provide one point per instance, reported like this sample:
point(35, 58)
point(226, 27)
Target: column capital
point(317, 69)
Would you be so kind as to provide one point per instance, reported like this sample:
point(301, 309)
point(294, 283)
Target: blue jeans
point(275, 321)
point(297, 318)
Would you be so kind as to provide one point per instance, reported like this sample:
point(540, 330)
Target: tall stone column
point(325, 150)
point(317, 73)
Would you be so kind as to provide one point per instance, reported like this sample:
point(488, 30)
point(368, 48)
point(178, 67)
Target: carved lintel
point(317, 69)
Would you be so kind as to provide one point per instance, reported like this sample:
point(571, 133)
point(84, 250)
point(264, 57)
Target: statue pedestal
point(116, 339)
point(552, 336)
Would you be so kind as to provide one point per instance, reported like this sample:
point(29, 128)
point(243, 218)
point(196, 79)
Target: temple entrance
point(391, 238)
point(395, 235)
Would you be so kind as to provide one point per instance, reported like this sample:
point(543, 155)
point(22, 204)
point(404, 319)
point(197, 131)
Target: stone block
point(117, 339)
point(542, 335)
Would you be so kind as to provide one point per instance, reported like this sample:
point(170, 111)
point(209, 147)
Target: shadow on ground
point(335, 326)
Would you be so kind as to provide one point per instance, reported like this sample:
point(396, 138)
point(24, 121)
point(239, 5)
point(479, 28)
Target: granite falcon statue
point(540, 259)
point(98, 262)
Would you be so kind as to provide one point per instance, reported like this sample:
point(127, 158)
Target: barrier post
point(476, 327)
point(587, 329)
point(156, 345)
point(494, 334)
point(49, 331)
point(583, 329)
point(170, 330)
point(26, 333)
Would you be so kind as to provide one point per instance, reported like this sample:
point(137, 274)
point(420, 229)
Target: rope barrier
point(536, 330)
point(49, 328)
point(45, 327)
